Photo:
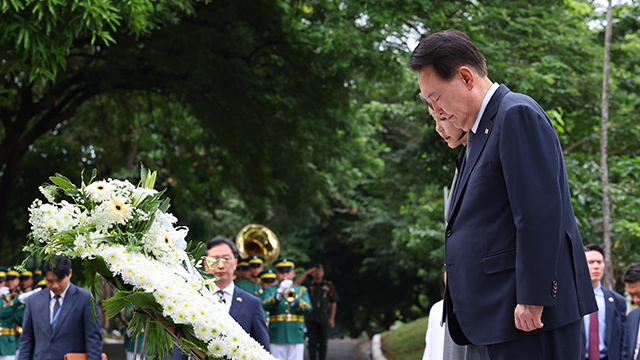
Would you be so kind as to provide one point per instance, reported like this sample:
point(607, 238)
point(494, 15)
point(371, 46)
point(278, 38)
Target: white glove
point(4, 291)
point(24, 296)
point(129, 332)
point(284, 285)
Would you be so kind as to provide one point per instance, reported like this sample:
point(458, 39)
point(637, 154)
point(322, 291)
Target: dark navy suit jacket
point(74, 331)
point(615, 331)
point(512, 237)
point(246, 310)
point(631, 336)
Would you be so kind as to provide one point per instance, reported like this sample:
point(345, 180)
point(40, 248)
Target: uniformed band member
point(324, 300)
point(242, 271)
point(122, 322)
point(287, 304)
point(267, 278)
point(26, 280)
point(11, 315)
point(252, 284)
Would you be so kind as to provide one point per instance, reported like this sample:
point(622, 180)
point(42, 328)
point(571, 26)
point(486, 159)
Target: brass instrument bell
point(258, 239)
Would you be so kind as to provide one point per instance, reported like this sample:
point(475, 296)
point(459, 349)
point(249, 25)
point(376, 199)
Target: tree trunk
point(608, 280)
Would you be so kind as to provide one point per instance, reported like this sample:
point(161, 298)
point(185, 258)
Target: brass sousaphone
point(258, 239)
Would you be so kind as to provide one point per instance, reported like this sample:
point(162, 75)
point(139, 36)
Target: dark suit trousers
point(559, 344)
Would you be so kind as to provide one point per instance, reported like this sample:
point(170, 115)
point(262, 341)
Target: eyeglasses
point(223, 257)
point(425, 100)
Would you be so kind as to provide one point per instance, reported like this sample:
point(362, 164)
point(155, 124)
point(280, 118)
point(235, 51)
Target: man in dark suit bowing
point(518, 283)
point(604, 330)
point(243, 307)
point(631, 279)
point(58, 320)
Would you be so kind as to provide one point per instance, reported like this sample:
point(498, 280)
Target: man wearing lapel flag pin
point(59, 320)
point(244, 308)
point(518, 283)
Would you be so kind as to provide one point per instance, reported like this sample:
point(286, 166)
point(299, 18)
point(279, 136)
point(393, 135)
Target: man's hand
point(331, 323)
point(528, 317)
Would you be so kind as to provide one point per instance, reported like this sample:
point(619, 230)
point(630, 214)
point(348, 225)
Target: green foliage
point(302, 115)
point(406, 341)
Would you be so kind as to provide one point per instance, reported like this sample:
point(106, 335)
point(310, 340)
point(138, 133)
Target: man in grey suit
point(59, 320)
point(631, 279)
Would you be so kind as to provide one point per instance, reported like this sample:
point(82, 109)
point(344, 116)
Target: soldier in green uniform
point(122, 323)
point(287, 304)
point(252, 285)
point(11, 315)
point(242, 270)
point(324, 300)
point(26, 281)
point(267, 278)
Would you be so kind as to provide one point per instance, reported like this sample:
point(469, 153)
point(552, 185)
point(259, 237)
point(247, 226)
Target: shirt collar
point(63, 295)
point(485, 101)
point(598, 290)
point(229, 289)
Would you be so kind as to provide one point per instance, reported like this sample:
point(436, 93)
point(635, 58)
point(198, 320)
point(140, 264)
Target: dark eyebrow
point(425, 101)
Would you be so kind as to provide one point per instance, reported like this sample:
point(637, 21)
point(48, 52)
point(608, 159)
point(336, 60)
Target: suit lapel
point(42, 302)
point(68, 304)
point(610, 307)
point(235, 304)
point(479, 140)
point(634, 320)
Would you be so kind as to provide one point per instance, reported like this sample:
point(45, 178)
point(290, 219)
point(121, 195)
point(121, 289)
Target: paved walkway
point(340, 349)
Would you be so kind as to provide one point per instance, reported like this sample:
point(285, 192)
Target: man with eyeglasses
point(252, 284)
point(243, 307)
point(288, 305)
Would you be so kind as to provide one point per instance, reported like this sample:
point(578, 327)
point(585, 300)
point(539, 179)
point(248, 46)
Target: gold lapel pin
point(486, 131)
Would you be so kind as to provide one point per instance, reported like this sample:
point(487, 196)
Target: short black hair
point(631, 274)
point(221, 240)
point(62, 266)
point(447, 51)
point(594, 247)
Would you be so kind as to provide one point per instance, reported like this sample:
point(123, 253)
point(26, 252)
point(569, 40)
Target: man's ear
point(70, 273)
point(467, 76)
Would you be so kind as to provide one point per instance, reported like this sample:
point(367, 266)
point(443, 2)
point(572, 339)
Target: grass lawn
point(406, 342)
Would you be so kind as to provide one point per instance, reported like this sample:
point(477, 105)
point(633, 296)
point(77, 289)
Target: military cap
point(26, 274)
point(12, 273)
point(243, 263)
point(268, 273)
point(39, 281)
point(285, 264)
point(3, 276)
point(255, 259)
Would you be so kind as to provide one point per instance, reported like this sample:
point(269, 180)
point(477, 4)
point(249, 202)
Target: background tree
point(302, 115)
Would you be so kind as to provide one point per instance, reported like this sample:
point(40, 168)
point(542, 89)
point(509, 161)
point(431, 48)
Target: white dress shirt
point(228, 294)
point(52, 302)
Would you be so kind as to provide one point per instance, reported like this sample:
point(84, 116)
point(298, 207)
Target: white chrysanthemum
point(100, 191)
point(203, 331)
point(120, 209)
point(216, 347)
